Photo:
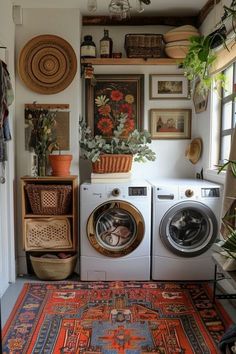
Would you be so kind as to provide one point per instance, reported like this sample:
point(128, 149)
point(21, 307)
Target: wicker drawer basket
point(53, 269)
point(47, 234)
point(144, 45)
point(49, 199)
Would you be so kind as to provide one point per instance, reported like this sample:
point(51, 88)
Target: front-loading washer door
point(115, 228)
point(188, 228)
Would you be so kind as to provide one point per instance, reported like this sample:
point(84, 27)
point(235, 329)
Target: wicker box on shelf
point(47, 233)
point(49, 199)
point(144, 45)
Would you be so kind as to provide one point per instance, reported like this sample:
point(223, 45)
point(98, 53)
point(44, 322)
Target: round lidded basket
point(113, 163)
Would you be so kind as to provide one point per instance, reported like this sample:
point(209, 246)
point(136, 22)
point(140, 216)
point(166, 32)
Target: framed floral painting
point(111, 97)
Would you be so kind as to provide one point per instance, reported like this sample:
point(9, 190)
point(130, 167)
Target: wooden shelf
point(131, 61)
point(34, 216)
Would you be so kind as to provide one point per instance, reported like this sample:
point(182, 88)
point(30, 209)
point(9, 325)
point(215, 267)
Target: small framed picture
point(200, 98)
point(169, 86)
point(170, 123)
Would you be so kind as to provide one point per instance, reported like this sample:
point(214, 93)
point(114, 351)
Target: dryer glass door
point(188, 229)
point(115, 228)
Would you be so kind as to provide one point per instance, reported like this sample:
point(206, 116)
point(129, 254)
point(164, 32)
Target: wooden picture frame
point(200, 99)
point(168, 87)
point(111, 95)
point(170, 123)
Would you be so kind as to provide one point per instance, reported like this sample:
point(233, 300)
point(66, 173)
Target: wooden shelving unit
point(131, 61)
point(72, 216)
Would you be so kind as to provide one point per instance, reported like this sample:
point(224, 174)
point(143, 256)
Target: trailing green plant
point(198, 62)
point(136, 143)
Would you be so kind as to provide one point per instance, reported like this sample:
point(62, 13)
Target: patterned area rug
point(115, 318)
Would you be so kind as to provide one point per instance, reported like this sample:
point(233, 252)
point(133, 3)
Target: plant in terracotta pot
point(112, 152)
point(42, 138)
point(60, 164)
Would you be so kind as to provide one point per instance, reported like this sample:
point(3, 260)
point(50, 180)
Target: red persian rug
point(115, 317)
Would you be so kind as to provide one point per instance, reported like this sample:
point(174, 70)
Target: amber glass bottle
point(106, 45)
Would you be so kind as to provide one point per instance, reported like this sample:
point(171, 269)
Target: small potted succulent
point(115, 154)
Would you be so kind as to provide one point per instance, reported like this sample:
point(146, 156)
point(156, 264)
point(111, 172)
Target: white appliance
point(186, 217)
point(115, 231)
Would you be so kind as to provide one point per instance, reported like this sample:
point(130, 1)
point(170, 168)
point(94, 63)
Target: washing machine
point(115, 231)
point(186, 218)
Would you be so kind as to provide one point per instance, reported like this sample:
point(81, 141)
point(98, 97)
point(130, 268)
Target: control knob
point(189, 193)
point(116, 192)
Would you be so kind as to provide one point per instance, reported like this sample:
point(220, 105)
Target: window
point(228, 118)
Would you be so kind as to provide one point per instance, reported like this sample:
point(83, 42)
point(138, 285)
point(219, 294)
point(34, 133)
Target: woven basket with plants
point(119, 142)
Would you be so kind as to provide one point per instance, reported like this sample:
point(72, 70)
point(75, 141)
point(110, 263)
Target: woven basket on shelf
point(47, 234)
point(144, 45)
point(49, 199)
point(111, 163)
point(52, 268)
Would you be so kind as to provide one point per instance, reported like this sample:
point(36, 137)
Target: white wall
point(171, 161)
point(65, 23)
point(7, 39)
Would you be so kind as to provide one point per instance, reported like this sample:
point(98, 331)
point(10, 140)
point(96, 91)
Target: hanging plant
point(199, 60)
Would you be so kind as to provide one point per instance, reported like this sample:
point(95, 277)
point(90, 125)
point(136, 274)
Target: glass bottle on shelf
point(106, 45)
point(88, 48)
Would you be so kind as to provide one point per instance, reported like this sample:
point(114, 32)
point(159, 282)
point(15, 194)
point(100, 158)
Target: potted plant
point(42, 140)
point(116, 148)
point(199, 60)
point(60, 164)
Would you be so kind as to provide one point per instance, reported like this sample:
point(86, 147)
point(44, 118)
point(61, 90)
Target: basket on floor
point(144, 45)
point(47, 234)
point(53, 268)
point(49, 199)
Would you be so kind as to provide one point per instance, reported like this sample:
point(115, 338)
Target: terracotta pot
point(60, 164)
point(111, 163)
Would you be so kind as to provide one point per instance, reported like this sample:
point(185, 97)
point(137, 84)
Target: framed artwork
point(62, 126)
point(112, 96)
point(170, 123)
point(169, 86)
point(200, 99)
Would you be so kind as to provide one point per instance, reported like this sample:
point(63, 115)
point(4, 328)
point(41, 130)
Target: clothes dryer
point(115, 231)
point(186, 217)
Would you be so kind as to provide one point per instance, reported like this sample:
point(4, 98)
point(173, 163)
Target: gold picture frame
point(170, 123)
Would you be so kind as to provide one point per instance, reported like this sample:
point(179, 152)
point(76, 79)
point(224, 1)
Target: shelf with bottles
point(129, 61)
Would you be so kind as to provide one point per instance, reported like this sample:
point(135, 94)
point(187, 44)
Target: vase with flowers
point(42, 138)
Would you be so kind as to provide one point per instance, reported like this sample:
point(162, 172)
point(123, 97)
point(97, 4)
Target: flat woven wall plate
point(47, 64)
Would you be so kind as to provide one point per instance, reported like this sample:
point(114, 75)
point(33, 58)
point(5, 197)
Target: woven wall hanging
point(47, 64)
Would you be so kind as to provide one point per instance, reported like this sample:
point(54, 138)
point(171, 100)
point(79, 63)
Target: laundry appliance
point(115, 231)
point(186, 216)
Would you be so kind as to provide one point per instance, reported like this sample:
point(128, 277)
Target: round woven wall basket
point(47, 64)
